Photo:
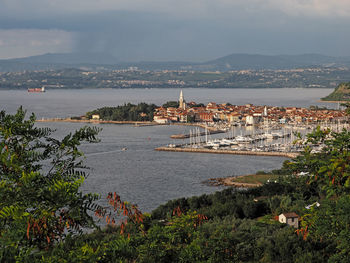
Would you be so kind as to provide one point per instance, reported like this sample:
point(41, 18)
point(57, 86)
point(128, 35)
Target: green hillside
point(341, 93)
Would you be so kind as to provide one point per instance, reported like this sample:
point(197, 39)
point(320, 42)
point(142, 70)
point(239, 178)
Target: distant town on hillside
point(313, 77)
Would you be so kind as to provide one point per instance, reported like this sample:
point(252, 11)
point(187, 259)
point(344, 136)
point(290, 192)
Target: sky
point(174, 30)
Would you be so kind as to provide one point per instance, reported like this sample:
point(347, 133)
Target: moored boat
point(42, 89)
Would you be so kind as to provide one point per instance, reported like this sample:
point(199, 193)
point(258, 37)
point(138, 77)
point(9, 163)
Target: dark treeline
point(126, 112)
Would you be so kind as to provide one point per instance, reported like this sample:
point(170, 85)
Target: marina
point(262, 130)
point(282, 140)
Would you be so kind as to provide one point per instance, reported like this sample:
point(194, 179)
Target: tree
point(191, 118)
point(330, 168)
point(174, 104)
point(126, 112)
point(40, 178)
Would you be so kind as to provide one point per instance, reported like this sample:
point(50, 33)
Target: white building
point(249, 120)
point(95, 117)
point(160, 119)
point(291, 219)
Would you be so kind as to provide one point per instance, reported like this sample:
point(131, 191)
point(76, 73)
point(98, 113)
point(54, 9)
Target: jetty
point(222, 151)
point(136, 123)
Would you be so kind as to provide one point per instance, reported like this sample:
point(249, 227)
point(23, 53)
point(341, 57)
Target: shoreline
point(98, 121)
point(136, 123)
point(333, 101)
point(140, 123)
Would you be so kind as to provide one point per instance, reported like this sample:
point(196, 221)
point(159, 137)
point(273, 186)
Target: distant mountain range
point(103, 61)
point(69, 59)
point(249, 61)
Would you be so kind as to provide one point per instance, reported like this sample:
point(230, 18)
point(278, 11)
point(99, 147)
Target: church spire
point(182, 104)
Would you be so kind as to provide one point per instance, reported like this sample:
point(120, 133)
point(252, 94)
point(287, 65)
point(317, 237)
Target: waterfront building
point(206, 116)
point(95, 117)
point(183, 116)
point(160, 119)
point(234, 117)
point(250, 120)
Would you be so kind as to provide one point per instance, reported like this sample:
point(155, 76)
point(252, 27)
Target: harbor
point(233, 129)
point(250, 141)
point(260, 140)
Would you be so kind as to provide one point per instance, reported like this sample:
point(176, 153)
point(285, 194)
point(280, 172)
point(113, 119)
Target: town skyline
point(247, 114)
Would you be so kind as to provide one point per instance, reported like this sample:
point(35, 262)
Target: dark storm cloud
point(198, 30)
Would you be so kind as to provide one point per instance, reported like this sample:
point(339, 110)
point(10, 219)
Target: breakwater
point(98, 121)
point(136, 123)
point(196, 150)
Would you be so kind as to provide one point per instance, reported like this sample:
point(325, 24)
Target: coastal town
point(247, 114)
point(234, 129)
point(274, 132)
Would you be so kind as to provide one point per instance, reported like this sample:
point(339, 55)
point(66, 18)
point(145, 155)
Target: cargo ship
point(42, 89)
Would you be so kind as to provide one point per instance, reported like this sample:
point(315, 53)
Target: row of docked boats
point(274, 147)
point(239, 140)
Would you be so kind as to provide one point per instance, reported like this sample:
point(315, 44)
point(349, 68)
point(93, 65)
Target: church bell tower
point(182, 104)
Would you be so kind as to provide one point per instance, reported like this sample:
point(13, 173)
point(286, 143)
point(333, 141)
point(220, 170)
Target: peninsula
point(272, 133)
point(341, 93)
point(219, 115)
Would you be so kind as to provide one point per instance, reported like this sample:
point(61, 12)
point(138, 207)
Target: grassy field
point(255, 178)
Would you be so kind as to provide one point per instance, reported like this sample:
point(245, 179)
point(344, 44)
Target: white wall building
point(291, 219)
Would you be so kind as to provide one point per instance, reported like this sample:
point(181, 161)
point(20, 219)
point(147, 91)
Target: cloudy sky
point(182, 30)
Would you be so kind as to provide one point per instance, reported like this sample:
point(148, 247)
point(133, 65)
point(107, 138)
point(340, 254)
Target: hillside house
point(291, 219)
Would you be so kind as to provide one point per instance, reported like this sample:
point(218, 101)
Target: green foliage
point(330, 167)
point(200, 105)
point(239, 204)
point(341, 93)
point(43, 212)
point(40, 177)
point(174, 104)
point(328, 177)
point(330, 223)
point(127, 112)
point(191, 118)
